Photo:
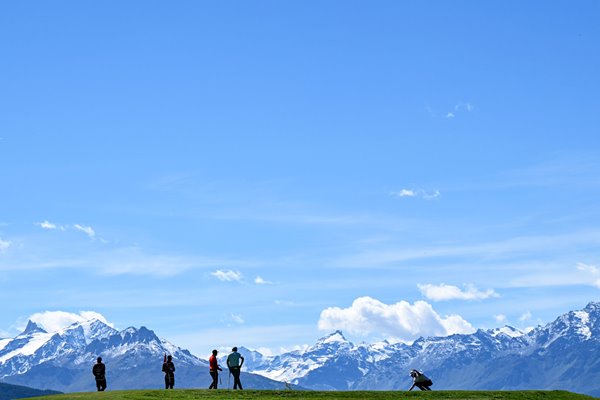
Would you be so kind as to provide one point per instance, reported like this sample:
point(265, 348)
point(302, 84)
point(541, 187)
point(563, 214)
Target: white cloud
point(525, 317)
point(4, 245)
point(463, 106)
point(501, 318)
point(237, 319)
point(430, 196)
point(417, 193)
point(401, 321)
point(54, 321)
point(458, 108)
point(445, 292)
point(593, 271)
point(406, 193)
point(227, 276)
point(85, 229)
point(260, 281)
point(47, 225)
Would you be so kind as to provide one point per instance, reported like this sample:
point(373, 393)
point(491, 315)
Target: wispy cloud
point(400, 321)
point(563, 170)
point(107, 259)
point(49, 225)
point(237, 319)
point(460, 107)
point(501, 318)
point(445, 292)
point(592, 271)
point(405, 193)
point(503, 249)
point(286, 303)
point(526, 316)
point(4, 245)
point(227, 276)
point(88, 230)
point(260, 281)
point(558, 275)
point(417, 193)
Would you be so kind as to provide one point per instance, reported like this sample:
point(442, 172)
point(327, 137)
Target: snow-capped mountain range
point(564, 354)
point(63, 360)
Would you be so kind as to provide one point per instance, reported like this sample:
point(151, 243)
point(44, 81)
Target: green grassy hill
point(188, 394)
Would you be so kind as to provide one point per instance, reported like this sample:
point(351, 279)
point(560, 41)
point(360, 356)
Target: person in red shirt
point(214, 369)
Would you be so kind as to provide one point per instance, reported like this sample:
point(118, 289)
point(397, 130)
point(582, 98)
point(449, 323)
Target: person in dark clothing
point(169, 369)
point(235, 362)
point(420, 380)
point(99, 371)
point(214, 369)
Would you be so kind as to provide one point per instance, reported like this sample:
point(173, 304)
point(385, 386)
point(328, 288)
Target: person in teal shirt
point(235, 362)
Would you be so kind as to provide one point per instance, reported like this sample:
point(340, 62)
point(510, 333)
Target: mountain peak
point(334, 337)
point(508, 331)
point(143, 335)
point(31, 328)
point(592, 306)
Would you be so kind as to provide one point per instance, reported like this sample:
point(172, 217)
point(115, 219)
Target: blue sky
point(261, 173)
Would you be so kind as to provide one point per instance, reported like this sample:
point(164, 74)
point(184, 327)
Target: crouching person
point(420, 380)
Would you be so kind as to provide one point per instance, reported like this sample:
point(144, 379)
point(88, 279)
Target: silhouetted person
point(169, 369)
point(235, 362)
point(214, 369)
point(99, 371)
point(420, 380)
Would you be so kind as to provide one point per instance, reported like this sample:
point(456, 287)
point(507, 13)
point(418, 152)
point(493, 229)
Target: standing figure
point(214, 369)
point(99, 371)
point(235, 366)
point(420, 380)
point(169, 369)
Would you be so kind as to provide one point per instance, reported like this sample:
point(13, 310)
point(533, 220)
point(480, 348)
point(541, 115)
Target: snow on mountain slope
point(507, 331)
point(563, 355)
point(456, 361)
point(292, 366)
point(133, 357)
point(4, 342)
point(26, 343)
